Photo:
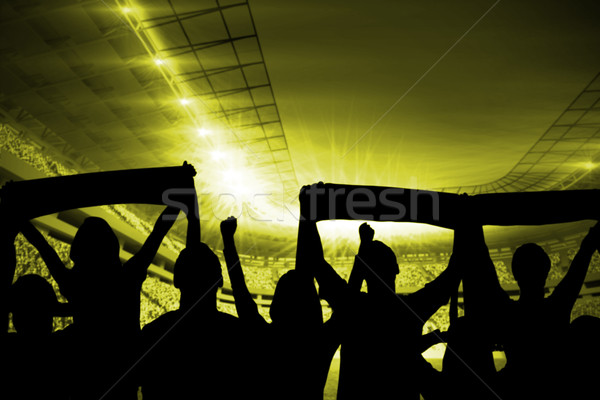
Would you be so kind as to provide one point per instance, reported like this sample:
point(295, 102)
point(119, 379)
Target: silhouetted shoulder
point(161, 323)
point(227, 318)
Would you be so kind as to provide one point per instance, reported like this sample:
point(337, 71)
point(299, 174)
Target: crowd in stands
point(594, 265)
point(17, 144)
point(260, 278)
point(29, 261)
point(410, 275)
point(120, 311)
point(439, 320)
point(124, 214)
point(159, 297)
point(556, 272)
point(150, 309)
point(227, 308)
point(410, 272)
point(587, 305)
point(24, 149)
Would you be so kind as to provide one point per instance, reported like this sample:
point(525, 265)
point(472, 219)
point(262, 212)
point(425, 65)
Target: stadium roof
point(265, 96)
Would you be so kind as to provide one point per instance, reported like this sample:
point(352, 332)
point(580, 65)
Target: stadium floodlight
point(238, 181)
point(217, 155)
point(232, 176)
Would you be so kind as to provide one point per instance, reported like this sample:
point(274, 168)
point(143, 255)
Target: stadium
point(265, 97)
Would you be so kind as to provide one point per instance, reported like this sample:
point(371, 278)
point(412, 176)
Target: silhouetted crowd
point(196, 351)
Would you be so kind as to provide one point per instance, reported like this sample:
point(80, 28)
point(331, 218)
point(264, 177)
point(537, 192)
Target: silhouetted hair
point(197, 268)
point(296, 302)
point(94, 239)
point(33, 304)
point(530, 261)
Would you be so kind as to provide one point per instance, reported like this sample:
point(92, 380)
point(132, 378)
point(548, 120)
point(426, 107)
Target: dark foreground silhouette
point(197, 351)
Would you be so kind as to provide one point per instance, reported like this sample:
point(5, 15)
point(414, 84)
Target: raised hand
point(366, 233)
point(167, 218)
point(228, 227)
point(190, 167)
point(307, 199)
point(304, 200)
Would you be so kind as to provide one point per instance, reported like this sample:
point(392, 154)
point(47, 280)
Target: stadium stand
point(263, 272)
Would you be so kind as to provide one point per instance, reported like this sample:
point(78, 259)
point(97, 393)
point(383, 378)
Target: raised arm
point(143, 258)
point(568, 289)
point(471, 262)
point(426, 301)
point(309, 249)
point(193, 217)
point(8, 261)
point(186, 199)
point(57, 268)
point(484, 298)
point(189, 201)
point(357, 275)
point(244, 303)
point(332, 287)
point(483, 295)
point(310, 256)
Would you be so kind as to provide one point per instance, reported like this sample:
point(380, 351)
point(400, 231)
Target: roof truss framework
point(213, 54)
point(562, 156)
point(218, 58)
point(101, 81)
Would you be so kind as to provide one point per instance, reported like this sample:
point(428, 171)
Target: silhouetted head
point(197, 270)
point(296, 302)
point(33, 304)
point(530, 267)
point(94, 243)
point(381, 267)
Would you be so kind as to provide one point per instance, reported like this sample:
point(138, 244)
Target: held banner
point(37, 197)
point(378, 203)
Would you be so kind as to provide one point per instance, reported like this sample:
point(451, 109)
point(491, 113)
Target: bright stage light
point(383, 230)
point(217, 155)
point(158, 61)
point(126, 10)
point(184, 102)
point(244, 185)
point(237, 181)
point(231, 175)
point(589, 165)
point(203, 131)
